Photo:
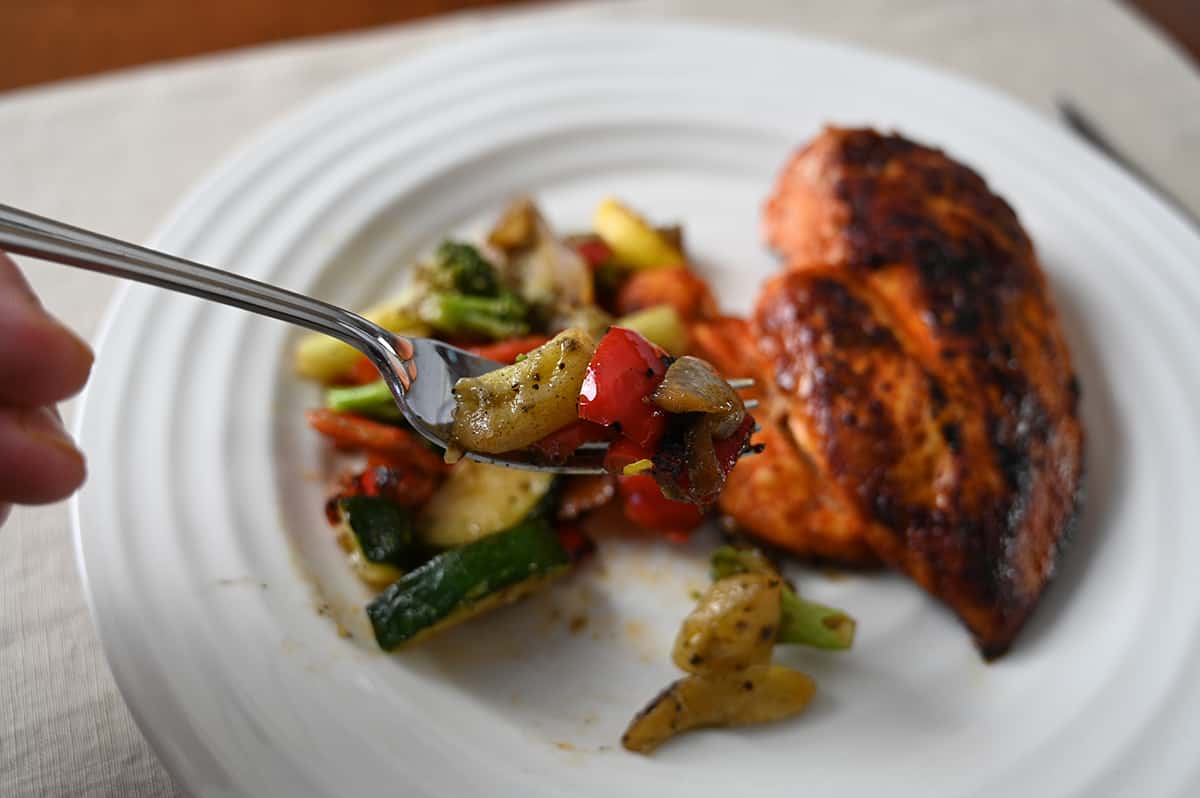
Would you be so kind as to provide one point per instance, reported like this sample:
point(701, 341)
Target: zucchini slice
point(759, 694)
point(658, 324)
point(479, 499)
point(380, 537)
point(461, 583)
point(518, 405)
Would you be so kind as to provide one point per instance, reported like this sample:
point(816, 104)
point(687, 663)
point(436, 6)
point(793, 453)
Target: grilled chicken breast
point(778, 494)
point(919, 390)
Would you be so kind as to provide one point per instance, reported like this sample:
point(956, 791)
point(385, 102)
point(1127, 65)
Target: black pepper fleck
point(953, 436)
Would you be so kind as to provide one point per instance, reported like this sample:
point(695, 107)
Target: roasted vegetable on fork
point(516, 406)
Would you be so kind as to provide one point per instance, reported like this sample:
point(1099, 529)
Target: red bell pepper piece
point(623, 452)
point(594, 251)
point(730, 449)
point(623, 372)
point(727, 450)
point(402, 484)
point(388, 476)
point(562, 443)
point(577, 544)
point(645, 506)
point(363, 372)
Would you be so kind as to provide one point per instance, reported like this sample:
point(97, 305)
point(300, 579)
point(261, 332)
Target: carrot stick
point(507, 351)
point(356, 432)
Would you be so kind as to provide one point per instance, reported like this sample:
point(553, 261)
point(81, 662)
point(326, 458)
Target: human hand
point(41, 362)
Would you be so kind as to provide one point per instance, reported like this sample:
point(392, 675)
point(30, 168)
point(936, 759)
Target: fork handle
point(28, 234)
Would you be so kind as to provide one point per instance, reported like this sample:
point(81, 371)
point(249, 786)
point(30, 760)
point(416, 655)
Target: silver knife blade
point(1087, 130)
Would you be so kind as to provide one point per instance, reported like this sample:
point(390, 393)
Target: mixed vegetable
point(674, 418)
point(594, 330)
point(725, 646)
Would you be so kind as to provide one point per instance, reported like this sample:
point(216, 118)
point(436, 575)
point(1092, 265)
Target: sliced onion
point(691, 385)
point(543, 270)
point(705, 479)
point(693, 390)
point(584, 317)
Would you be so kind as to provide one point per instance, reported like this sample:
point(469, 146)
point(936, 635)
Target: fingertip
point(66, 469)
point(41, 360)
point(72, 354)
point(38, 461)
point(13, 280)
point(78, 359)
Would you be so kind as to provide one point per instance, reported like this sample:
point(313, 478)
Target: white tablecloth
point(115, 153)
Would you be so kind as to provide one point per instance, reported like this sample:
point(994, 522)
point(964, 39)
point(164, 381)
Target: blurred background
point(47, 40)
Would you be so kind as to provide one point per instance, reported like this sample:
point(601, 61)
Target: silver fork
point(419, 371)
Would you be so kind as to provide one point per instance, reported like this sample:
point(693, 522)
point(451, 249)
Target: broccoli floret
point(468, 298)
point(460, 268)
point(498, 317)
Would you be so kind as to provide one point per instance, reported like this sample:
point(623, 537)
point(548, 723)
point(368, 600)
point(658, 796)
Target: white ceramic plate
point(206, 557)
